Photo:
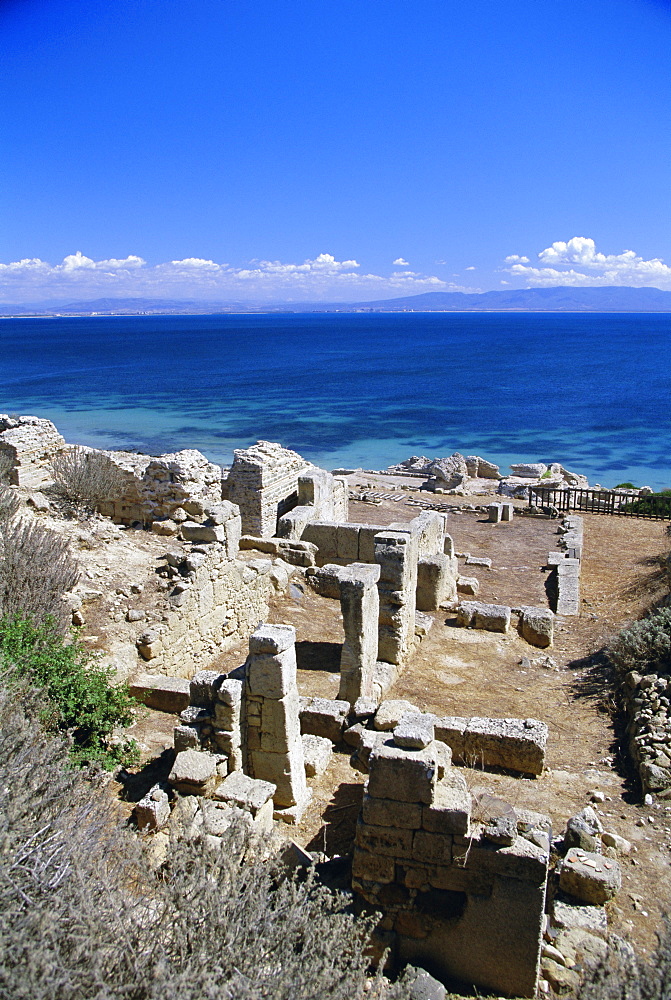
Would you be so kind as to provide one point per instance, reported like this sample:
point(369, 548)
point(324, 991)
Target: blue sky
point(304, 150)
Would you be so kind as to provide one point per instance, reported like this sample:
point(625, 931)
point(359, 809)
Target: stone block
point(435, 582)
point(514, 744)
point(591, 878)
point(494, 513)
point(395, 842)
point(317, 753)
point(271, 639)
point(492, 617)
point(194, 532)
point(414, 732)
point(566, 916)
point(469, 585)
point(325, 717)
point(152, 812)
point(568, 587)
point(186, 738)
point(450, 810)
point(372, 866)
point(522, 860)
point(406, 775)
point(391, 812)
point(249, 794)
point(538, 626)
point(507, 511)
point(484, 561)
point(166, 694)
point(286, 771)
point(204, 686)
point(324, 535)
point(194, 773)
point(451, 729)
point(433, 848)
point(347, 542)
point(390, 713)
point(367, 533)
point(272, 676)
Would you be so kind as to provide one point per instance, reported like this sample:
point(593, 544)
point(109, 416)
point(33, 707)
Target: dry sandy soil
point(464, 672)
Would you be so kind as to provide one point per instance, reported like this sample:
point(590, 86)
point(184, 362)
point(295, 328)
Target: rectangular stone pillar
point(495, 512)
point(274, 746)
point(396, 555)
point(436, 582)
point(360, 606)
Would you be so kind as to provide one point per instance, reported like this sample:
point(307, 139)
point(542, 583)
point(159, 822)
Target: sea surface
point(592, 391)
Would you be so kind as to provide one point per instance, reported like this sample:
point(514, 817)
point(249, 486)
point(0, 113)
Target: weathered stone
point(166, 694)
point(538, 626)
point(186, 737)
point(325, 717)
point(490, 617)
point(529, 470)
point(272, 639)
point(517, 744)
point(436, 582)
point(152, 812)
point(391, 812)
point(450, 811)
point(390, 713)
point(469, 585)
point(204, 686)
point(193, 773)
point(494, 513)
point(406, 775)
point(317, 753)
point(567, 916)
point(360, 606)
point(396, 554)
point(414, 732)
point(249, 794)
point(590, 877)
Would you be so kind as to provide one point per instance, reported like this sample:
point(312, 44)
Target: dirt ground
point(465, 672)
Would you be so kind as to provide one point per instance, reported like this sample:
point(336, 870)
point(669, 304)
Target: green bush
point(81, 699)
point(644, 646)
point(654, 503)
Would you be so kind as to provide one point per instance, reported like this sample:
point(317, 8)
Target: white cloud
point(322, 278)
point(400, 262)
point(577, 262)
point(471, 268)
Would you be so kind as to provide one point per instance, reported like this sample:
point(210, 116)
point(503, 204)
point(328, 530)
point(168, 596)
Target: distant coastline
point(562, 299)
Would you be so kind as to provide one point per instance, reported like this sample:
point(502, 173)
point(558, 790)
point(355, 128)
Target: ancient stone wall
point(321, 496)
point(30, 444)
point(223, 601)
point(461, 891)
point(263, 482)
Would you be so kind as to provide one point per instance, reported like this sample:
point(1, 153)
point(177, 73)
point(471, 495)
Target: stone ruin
point(460, 880)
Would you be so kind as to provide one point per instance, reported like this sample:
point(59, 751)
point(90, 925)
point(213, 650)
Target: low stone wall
point(461, 892)
point(30, 444)
point(223, 602)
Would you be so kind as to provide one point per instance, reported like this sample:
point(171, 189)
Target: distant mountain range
point(613, 298)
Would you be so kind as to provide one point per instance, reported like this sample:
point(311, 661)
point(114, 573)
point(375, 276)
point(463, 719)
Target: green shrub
point(645, 645)
point(625, 486)
point(81, 699)
point(654, 503)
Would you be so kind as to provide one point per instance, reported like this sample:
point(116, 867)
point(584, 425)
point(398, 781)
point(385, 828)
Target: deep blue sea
point(349, 390)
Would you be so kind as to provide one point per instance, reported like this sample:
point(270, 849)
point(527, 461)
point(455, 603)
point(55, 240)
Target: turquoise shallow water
point(591, 391)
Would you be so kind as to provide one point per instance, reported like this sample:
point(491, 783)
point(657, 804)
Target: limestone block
point(521, 861)
point(367, 533)
point(396, 554)
point(435, 582)
point(326, 580)
point(230, 692)
point(324, 535)
point(286, 771)
point(348, 542)
point(152, 812)
point(590, 877)
point(194, 532)
point(193, 773)
point(360, 759)
point(280, 722)
point(414, 732)
point(489, 617)
point(566, 916)
point(483, 561)
point(166, 694)
point(186, 737)
point(450, 810)
point(507, 511)
point(515, 744)
point(204, 685)
point(433, 848)
point(451, 729)
point(406, 775)
point(469, 585)
point(325, 717)
point(494, 513)
point(538, 626)
point(448, 546)
point(372, 866)
point(317, 753)
point(391, 812)
point(249, 794)
point(359, 602)
point(297, 553)
point(568, 587)
point(272, 676)
point(390, 713)
point(430, 528)
point(393, 841)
